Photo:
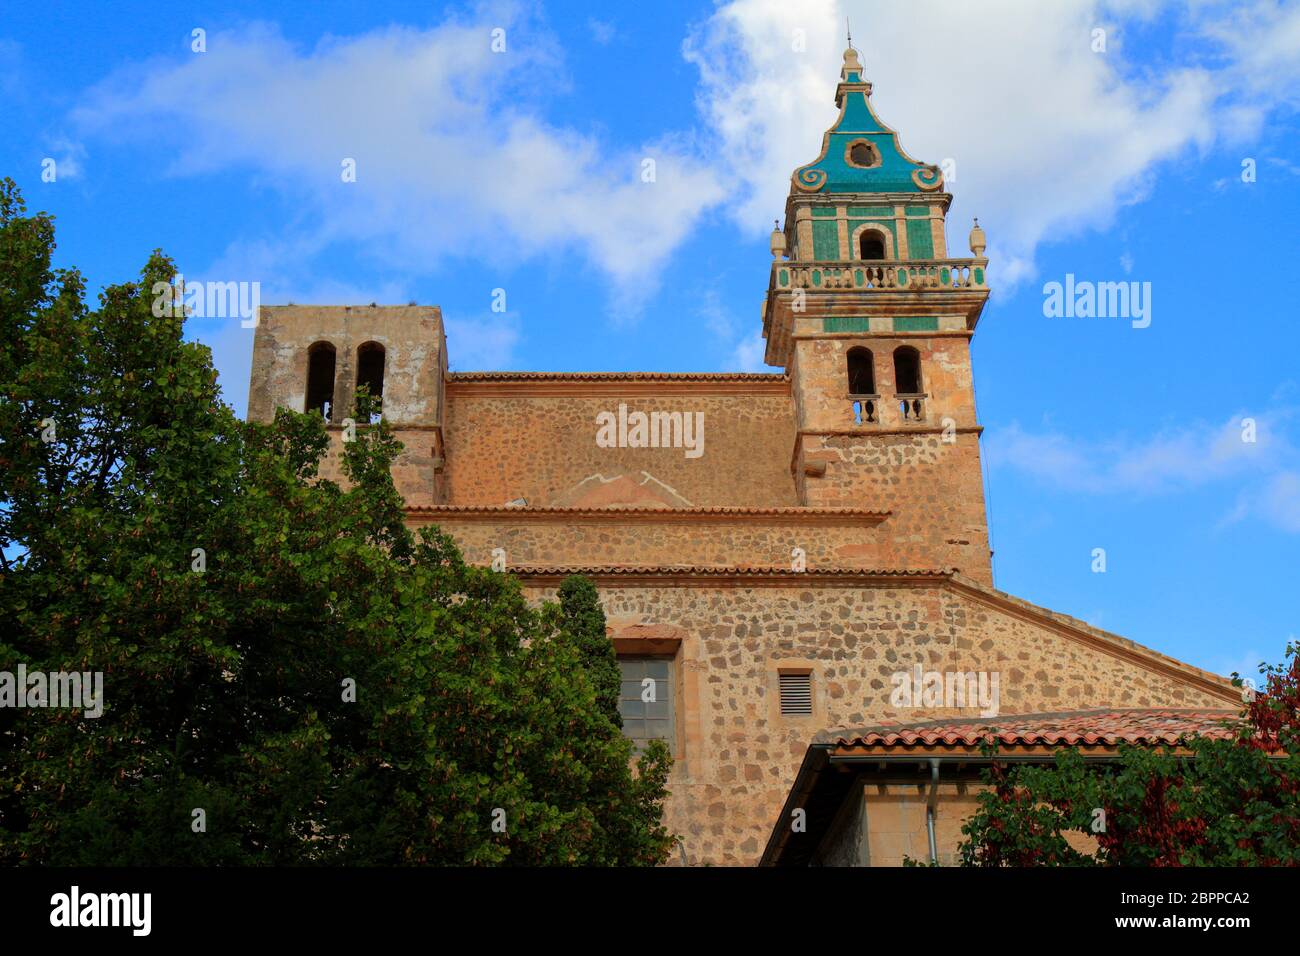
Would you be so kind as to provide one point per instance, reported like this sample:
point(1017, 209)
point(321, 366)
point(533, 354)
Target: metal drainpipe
point(929, 809)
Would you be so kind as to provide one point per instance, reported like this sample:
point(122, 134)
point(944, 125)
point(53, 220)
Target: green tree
point(278, 651)
point(1211, 802)
point(584, 622)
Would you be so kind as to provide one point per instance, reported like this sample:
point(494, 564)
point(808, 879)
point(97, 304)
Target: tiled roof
point(666, 511)
point(617, 377)
point(639, 570)
point(820, 789)
point(1088, 728)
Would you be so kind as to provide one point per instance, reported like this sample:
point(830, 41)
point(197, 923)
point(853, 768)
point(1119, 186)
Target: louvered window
point(796, 694)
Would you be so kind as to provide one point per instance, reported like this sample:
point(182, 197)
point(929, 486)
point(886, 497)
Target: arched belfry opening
point(370, 370)
point(907, 371)
point(862, 385)
point(871, 245)
point(320, 379)
point(862, 372)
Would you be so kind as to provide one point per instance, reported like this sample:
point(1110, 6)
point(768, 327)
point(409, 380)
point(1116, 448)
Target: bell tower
point(313, 358)
point(873, 322)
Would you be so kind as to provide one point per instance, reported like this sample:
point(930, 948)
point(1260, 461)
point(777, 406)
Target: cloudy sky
point(1131, 140)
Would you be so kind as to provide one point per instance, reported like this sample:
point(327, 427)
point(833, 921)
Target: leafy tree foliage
point(278, 650)
point(584, 619)
point(1225, 802)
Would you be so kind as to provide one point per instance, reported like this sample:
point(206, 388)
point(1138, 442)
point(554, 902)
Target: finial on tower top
point(851, 65)
point(978, 241)
point(778, 240)
point(851, 62)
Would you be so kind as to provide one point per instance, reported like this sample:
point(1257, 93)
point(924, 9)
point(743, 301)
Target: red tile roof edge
point(1105, 726)
point(618, 376)
point(720, 510)
point(727, 570)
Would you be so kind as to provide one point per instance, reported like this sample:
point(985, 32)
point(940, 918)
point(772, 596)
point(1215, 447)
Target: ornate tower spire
point(872, 320)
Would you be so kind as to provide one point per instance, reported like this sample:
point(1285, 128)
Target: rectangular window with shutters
point(796, 694)
point(646, 699)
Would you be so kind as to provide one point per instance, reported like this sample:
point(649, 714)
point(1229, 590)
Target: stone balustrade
point(911, 408)
point(866, 409)
point(861, 276)
point(870, 410)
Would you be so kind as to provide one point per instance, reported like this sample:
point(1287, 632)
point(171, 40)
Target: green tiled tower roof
point(860, 154)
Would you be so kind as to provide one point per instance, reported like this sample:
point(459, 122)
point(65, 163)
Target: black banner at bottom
point(334, 906)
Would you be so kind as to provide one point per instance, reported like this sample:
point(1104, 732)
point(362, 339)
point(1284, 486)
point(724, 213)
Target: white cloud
point(747, 356)
point(482, 344)
point(69, 156)
point(1048, 137)
point(1168, 462)
point(453, 156)
point(456, 158)
point(743, 343)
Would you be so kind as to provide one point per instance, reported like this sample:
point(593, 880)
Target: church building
point(794, 566)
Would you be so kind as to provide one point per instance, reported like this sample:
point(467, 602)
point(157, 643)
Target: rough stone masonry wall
point(737, 755)
point(542, 446)
point(415, 472)
point(820, 375)
point(933, 490)
point(927, 474)
point(700, 540)
point(414, 358)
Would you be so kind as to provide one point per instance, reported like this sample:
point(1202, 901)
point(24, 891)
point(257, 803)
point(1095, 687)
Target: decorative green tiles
point(916, 323)
point(846, 323)
point(920, 240)
point(861, 323)
point(826, 241)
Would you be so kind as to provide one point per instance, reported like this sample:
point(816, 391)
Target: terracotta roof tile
point(615, 510)
point(1091, 727)
point(617, 377)
point(639, 570)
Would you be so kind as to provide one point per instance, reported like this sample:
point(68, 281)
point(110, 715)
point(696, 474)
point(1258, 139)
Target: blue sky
point(1112, 156)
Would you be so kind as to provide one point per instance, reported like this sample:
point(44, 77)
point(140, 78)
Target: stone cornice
point(705, 577)
point(720, 515)
point(866, 431)
point(617, 384)
point(892, 334)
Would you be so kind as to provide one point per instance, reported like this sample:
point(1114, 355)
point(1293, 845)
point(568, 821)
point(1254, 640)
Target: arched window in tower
point(862, 373)
point(907, 370)
point(862, 385)
point(871, 245)
point(370, 373)
point(907, 383)
point(320, 379)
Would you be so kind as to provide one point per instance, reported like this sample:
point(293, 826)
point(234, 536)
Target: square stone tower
point(873, 323)
point(313, 358)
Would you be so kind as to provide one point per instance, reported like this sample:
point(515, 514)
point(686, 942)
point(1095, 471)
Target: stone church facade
point(827, 535)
